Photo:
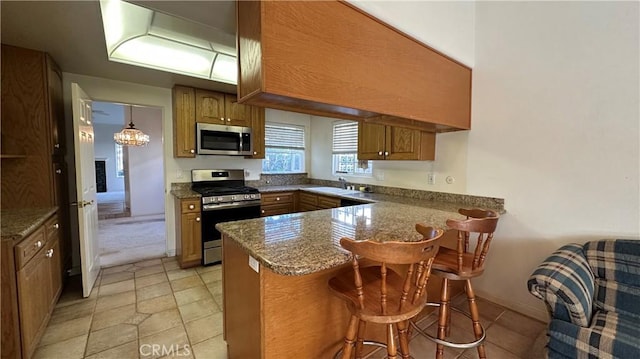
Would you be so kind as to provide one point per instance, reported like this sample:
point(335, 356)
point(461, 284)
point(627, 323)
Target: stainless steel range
point(224, 198)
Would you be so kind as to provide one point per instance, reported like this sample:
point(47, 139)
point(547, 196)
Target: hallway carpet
point(131, 239)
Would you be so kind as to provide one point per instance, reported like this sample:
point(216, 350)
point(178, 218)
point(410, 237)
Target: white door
point(86, 188)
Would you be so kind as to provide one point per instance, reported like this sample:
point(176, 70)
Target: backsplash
point(279, 180)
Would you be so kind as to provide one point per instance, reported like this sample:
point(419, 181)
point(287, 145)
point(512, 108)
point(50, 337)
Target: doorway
point(131, 220)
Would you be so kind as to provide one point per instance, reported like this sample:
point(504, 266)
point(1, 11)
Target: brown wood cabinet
point(258, 128)
point(188, 232)
point(33, 144)
point(184, 121)
point(221, 109)
point(274, 203)
point(329, 58)
point(380, 142)
point(312, 202)
point(31, 286)
point(191, 105)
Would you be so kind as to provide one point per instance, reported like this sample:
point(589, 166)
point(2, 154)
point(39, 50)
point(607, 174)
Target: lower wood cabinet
point(274, 203)
point(31, 286)
point(188, 232)
point(311, 202)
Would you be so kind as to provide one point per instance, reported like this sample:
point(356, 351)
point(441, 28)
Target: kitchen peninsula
point(275, 271)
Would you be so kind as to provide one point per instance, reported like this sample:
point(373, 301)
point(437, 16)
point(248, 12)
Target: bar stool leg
point(443, 316)
point(475, 317)
point(349, 338)
point(360, 342)
point(403, 336)
point(392, 345)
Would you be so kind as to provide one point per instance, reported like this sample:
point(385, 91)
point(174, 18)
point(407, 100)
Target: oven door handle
point(215, 207)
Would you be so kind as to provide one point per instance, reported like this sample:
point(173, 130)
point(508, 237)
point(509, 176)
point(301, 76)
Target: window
point(284, 149)
point(345, 150)
point(119, 161)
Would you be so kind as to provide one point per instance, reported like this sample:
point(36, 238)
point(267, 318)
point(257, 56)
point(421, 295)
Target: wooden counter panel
point(241, 288)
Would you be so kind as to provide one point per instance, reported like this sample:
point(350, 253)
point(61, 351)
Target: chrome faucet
point(343, 182)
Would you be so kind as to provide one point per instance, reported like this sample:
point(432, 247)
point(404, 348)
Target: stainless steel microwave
point(223, 140)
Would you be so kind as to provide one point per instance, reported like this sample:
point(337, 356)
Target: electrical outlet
point(379, 175)
point(431, 178)
point(179, 174)
point(450, 179)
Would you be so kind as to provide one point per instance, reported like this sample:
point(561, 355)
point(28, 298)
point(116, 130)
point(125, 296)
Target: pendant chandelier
point(131, 136)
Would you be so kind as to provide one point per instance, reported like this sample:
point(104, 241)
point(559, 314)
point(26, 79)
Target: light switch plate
point(254, 264)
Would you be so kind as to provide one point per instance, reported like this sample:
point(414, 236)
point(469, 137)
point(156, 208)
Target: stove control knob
point(219, 199)
point(246, 196)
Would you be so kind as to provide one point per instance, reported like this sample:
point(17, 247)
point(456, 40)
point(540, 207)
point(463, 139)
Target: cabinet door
point(191, 238)
point(371, 139)
point(184, 122)
point(210, 107)
point(56, 107)
point(54, 259)
point(257, 126)
point(328, 202)
point(34, 296)
point(402, 143)
point(237, 114)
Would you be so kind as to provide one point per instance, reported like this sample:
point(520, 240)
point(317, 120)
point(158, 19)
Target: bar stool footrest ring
point(365, 342)
point(447, 343)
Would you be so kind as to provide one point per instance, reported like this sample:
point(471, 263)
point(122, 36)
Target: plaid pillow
point(565, 282)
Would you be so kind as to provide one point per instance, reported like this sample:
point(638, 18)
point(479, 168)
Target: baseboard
point(522, 308)
point(171, 253)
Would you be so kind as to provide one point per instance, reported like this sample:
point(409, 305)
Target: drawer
point(307, 198)
point(52, 228)
point(276, 198)
point(328, 202)
point(190, 206)
point(29, 246)
point(275, 209)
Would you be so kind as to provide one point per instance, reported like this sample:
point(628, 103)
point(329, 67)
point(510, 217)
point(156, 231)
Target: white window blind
point(345, 137)
point(284, 136)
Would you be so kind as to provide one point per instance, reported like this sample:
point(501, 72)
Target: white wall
point(105, 148)
point(145, 165)
point(555, 131)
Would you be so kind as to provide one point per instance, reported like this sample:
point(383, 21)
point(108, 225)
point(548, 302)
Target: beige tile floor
point(136, 310)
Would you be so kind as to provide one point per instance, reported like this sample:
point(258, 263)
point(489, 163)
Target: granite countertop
point(185, 193)
point(308, 242)
point(19, 223)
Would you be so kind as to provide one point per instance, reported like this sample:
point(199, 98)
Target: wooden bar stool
point(460, 264)
point(379, 294)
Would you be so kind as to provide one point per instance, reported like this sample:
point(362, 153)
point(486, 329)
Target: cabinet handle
point(57, 145)
point(56, 226)
point(191, 206)
point(197, 219)
point(386, 153)
point(277, 198)
point(59, 171)
point(222, 119)
point(255, 152)
point(262, 211)
point(49, 253)
point(228, 120)
point(192, 151)
point(379, 153)
point(38, 244)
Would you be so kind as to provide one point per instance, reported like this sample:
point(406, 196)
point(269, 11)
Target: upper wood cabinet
point(184, 121)
point(380, 142)
point(329, 58)
point(257, 126)
point(221, 109)
point(191, 105)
